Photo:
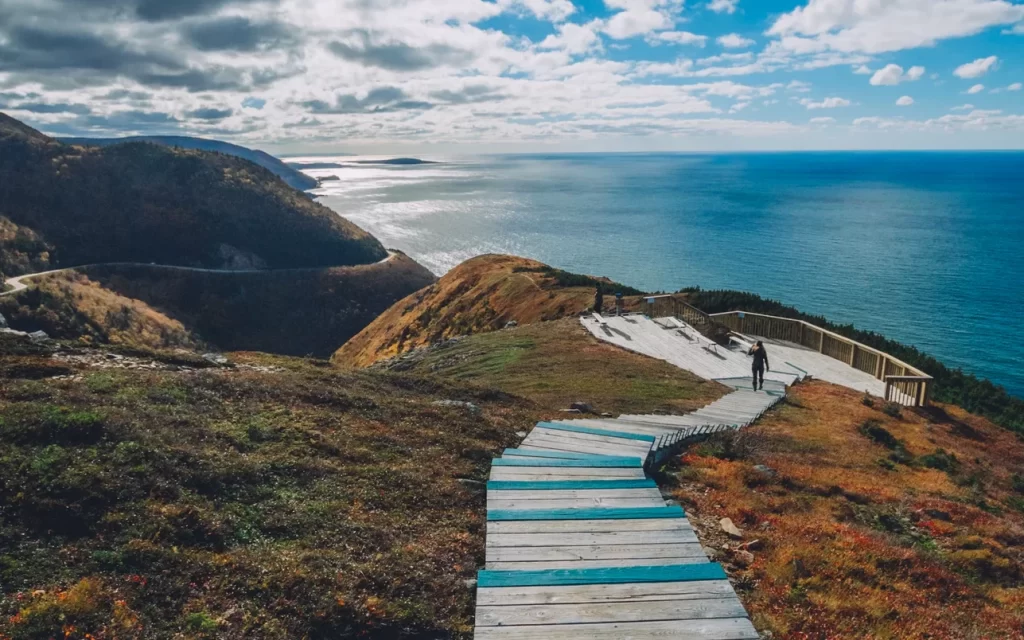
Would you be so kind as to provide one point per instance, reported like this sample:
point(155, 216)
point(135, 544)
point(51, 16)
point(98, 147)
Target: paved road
point(18, 282)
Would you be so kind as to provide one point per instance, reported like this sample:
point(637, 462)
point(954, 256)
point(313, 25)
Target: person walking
point(759, 364)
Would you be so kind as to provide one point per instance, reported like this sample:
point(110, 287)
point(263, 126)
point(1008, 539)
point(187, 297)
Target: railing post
point(853, 354)
point(821, 342)
point(888, 386)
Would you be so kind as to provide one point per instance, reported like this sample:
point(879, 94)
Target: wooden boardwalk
point(675, 342)
point(581, 545)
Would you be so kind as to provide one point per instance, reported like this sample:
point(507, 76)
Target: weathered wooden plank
point(511, 485)
point(559, 614)
point(542, 539)
point(596, 552)
point(636, 447)
point(597, 502)
point(611, 575)
point(564, 473)
point(589, 526)
point(590, 564)
point(561, 494)
point(595, 463)
point(583, 446)
point(596, 432)
point(540, 453)
point(711, 629)
point(640, 513)
point(590, 593)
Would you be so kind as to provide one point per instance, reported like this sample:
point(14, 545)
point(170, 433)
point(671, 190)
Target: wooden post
point(879, 366)
point(801, 334)
point(888, 386)
point(821, 341)
point(853, 354)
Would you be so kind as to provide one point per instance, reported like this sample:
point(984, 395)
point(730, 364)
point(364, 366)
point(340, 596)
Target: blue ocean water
point(926, 248)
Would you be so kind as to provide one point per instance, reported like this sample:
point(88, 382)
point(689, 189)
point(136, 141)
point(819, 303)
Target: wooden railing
point(904, 384)
point(668, 305)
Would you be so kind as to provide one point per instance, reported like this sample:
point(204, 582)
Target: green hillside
point(143, 202)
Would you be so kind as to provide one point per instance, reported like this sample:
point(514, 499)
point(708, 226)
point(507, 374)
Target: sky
point(450, 76)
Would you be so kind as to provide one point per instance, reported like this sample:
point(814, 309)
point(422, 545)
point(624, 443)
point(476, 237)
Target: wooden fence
point(668, 305)
point(903, 383)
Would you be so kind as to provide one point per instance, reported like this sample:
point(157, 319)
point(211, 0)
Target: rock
point(753, 545)
point(765, 469)
point(731, 529)
point(767, 635)
point(3, 322)
point(743, 558)
point(511, 324)
point(469, 406)
point(470, 582)
point(582, 407)
point(710, 552)
point(216, 358)
point(38, 336)
point(520, 434)
point(570, 411)
point(607, 415)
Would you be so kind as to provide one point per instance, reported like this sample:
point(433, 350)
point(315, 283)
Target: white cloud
point(976, 69)
point(862, 70)
point(1017, 30)
point(746, 56)
point(892, 74)
point(798, 86)
point(827, 103)
point(905, 101)
point(879, 26)
point(554, 10)
point(824, 120)
point(1016, 86)
point(638, 17)
point(723, 6)
point(734, 41)
point(978, 120)
point(574, 39)
point(679, 37)
point(963, 107)
point(978, 88)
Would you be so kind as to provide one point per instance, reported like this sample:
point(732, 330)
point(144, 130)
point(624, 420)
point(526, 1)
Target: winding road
point(17, 283)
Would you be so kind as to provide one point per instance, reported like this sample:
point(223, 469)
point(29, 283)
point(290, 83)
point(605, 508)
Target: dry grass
point(559, 362)
point(479, 295)
point(868, 540)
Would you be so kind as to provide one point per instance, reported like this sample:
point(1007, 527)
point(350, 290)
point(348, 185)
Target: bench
point(600, 319)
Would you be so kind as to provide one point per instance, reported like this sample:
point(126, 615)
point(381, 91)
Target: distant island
point(302, 166)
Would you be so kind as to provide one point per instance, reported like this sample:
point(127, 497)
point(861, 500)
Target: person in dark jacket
point(759, 364)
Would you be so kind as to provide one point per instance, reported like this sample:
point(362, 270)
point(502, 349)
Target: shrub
point(744, 444)
point(867, 401)
point(874, 430)
point(941, 460)
point(1017, 482)
point(892, 409)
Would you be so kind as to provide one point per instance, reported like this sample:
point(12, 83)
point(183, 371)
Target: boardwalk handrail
point(670, 305)
point(905, 384)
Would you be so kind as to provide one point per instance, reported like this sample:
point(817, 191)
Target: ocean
point(923, 247)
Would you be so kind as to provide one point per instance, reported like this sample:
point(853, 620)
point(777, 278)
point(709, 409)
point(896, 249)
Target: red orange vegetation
point(869, 526)
point(481, 294)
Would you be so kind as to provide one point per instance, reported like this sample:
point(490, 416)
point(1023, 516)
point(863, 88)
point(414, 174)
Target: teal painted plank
point(568, 455)
point(610, 575)
point(611, 513)
point(526, 485)
point(596, 432)
point(605, 463)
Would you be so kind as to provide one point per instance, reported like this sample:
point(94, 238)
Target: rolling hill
point(144, 202)
point(295, 179)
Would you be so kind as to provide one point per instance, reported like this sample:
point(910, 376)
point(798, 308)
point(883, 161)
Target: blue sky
point(384, 76)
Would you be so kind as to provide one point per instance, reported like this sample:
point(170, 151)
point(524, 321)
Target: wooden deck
point(581, 545)
point(672, 341)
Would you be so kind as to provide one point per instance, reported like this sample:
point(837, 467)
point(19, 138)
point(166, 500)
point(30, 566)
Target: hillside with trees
point(293, 177)
point(150, 203)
